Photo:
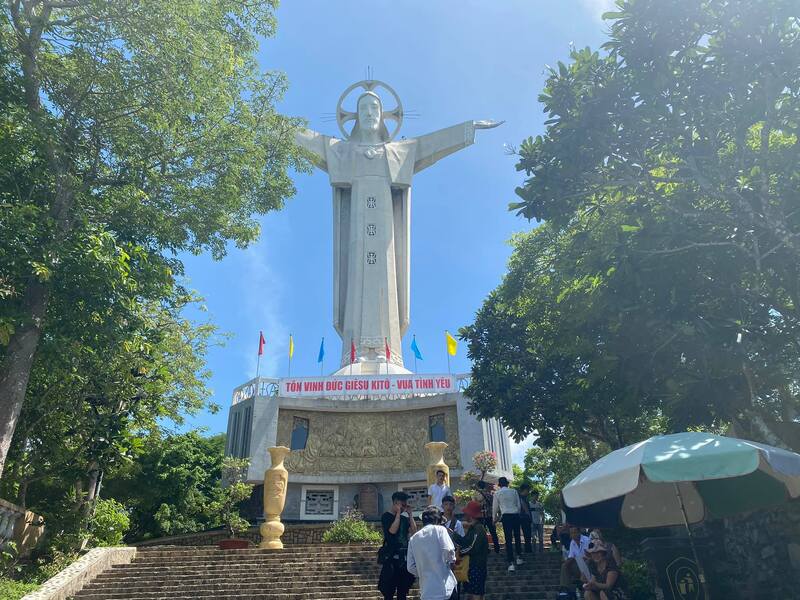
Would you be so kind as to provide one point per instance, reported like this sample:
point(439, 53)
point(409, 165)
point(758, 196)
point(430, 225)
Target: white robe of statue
point(371, 181)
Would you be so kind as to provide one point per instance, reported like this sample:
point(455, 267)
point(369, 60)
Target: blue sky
point(450, 61)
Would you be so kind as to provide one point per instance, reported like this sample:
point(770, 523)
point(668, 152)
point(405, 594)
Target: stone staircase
point(329, 572)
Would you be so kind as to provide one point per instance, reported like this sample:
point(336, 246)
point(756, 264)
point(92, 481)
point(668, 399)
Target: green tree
point(129, 132)
point(95, 400)
point(549, 470)
point(171, 486)
point(661, 292)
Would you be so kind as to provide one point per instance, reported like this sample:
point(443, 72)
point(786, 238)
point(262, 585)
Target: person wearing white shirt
point(431, 553)
point(574, 570)
point(437, 491)
point(505, 508)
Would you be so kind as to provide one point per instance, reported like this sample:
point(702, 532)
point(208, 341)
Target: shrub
point(14, 590)
point(109, 523)
point(637, 580)
point(351, 529)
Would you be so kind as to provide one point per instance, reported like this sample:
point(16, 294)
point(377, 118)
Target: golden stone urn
point(275, 482)
point(436, 461)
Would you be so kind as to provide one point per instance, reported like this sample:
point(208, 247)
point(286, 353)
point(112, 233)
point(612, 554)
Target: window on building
point(436, 428)
point(299, 434)
point(233, 448)
point(244, 452)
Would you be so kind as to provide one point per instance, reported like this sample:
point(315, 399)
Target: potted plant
point(235, 491)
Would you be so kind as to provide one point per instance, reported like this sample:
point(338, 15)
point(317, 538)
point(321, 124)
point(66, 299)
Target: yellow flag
point(291, 346)
point(452, 344)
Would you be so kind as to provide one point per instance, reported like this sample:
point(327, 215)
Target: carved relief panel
point(363, 442)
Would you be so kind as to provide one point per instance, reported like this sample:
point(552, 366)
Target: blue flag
point(415, 349)
point(321, 351)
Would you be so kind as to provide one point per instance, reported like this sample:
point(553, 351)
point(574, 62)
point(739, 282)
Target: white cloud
point(261, 303)
point(518, 449)
point(598, 7)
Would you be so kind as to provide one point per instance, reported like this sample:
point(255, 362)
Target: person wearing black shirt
point(487, 519)
point(398, 526)
point(525, 520)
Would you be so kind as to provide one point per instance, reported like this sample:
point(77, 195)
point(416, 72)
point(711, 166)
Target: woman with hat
point(475, 545)
point(605, 582)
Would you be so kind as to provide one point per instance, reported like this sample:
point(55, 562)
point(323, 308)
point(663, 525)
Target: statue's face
point(369, 113)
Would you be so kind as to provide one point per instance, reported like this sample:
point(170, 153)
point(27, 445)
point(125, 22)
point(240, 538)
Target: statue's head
point(370, 117)
point(370, 111)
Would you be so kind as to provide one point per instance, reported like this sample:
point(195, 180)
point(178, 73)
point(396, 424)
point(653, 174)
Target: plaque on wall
point(368, 501)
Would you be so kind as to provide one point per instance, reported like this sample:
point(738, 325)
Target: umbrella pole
point(700, 572)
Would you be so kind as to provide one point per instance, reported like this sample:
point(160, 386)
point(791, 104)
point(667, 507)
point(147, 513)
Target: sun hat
point(473, 509)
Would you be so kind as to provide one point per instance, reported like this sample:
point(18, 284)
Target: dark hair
point(525, 485)
point(431, 516)
point(481, 485)
point(448, 499)
point(440, 471)
point(402, 496)
point(502, 482)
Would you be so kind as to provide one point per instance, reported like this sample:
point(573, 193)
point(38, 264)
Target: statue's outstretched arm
point(314, 144)
point(435, 146)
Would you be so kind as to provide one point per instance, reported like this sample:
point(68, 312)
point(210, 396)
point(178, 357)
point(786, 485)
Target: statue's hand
point(487, 124)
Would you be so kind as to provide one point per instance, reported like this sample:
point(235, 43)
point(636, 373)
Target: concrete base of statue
point(436, 461)
point(276, 479)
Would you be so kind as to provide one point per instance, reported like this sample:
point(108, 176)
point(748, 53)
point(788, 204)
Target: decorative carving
point(366, 442)
point(276, 479)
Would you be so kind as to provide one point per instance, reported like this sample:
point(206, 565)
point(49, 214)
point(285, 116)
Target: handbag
point(461, 569)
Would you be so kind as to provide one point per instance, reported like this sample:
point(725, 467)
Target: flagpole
point(415, 354)
point(290, 354)
point(258, 366)
point(351, 356)
point(447, 350)
point(322, 362)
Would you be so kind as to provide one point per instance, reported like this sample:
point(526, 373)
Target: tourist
point(537, 518)
point(475, 545)
point(485, 497)
point(525, 518)
point(505, 509)
point(437, 491)
point(604, 581)
point(574, 570)
point(431, 554)
point(398, 526)
point(597, 535)
point(450, 521)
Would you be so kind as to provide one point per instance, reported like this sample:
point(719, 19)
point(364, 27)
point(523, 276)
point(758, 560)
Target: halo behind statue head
point(368, 85)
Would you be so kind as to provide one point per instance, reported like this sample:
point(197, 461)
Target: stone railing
point(9, 515)
point(22, 527)
point(72, 579)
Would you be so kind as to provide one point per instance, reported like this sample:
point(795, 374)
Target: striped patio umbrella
point(681, 479)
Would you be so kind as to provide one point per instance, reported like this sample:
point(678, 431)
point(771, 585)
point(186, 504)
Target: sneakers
point(519, 561)
point(512, 568)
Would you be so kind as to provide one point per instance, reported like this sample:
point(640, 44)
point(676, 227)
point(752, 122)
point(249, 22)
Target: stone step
point(326, 572)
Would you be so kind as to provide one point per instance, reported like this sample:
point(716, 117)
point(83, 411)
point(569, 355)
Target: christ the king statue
point(371, 179)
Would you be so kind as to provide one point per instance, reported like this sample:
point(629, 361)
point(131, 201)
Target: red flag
point(261, 342)
point(352, 352)
point(388, 352)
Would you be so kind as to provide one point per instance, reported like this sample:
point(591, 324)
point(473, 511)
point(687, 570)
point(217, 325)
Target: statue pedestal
point(436, 461)
point(275, 482)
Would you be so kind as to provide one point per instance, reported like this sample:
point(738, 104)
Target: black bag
point(383, 554)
